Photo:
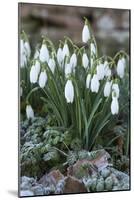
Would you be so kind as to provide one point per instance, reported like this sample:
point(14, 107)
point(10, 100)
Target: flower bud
point(100, 71)
point(93, 49)
point(51, 64)
point(95, 83)
point(44, 53)
point(115, 89)
point(65, 50)
point(73, 60)
point(121, 67)
point(33, 74)
point(85, 34)
point(27, 49)
point(85, 60)
point(88, 79)
point(42, 79)
point(69, 91)
point(59, 56)
point(107, 89)
point(114, 106)
point(37, 66)
point(68, 69)
point(107, 69)
point(29, 112)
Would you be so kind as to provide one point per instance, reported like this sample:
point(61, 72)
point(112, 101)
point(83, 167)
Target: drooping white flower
point(121, 67)
point(85, 34)
point(42, 79)
point(114, 106)
point(23, 60)
point(51, 64)
point(65, 50)
point(85, 60)
point(59, 56)
point(37, 66)
point(88, 79)
point(44, 53)
point(27, 49)
point(100, 71)
point(95, 84)
point(69, 91)
point(93, 48)
point(107, 88)
point(115, 89)
point(29, 112)
point(107, 69)
point(33, 74)
point(73, 60)
point(68, 69)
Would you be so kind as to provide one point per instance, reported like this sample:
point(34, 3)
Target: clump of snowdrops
point(81, 89)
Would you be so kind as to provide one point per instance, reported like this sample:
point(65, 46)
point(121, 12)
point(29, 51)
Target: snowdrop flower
point(68, 69)
point(69, 91)
point(107, 89)
point(29, 112)
point(114, 106)
point(44, 53)
point(65, 50)
point(85, 34)
point(51, 64)
point(42, 79)
point(107, 69)
point(23, 60)
point(93, 48)
point(33, 74)
point(95, 83)
point(59, 56)
point(88, 79)
point(115, 89)
point(121, 67)
point(85, 60)
point(73, 60)
point(100, 71)
point(27, 49)
point(37, 66)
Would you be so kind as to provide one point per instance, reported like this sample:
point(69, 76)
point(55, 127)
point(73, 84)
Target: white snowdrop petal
point(65, 51)
point(93, 49)
point(100, 71)
point(73, 60)
point(68, 69)
point(121, 68)
point(36, 55)
point(114, 106)
point(115, 89)
point(85, 60)
point(85, 34)
point(51, 64)
point(107, 89)
point(29, 112)
point(69, 91)
point(44, 53)
point(95, 83)
point(59, 56)
point(33, 74)
point(42, 79)
point(88, 79)
point(27, 49)
point(37, 66)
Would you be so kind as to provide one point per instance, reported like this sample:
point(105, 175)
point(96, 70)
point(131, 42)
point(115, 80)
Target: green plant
point(78, 86)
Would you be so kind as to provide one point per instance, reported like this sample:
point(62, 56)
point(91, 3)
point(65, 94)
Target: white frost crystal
point(107, 89)
point(88, 79)
point(95, 83)
point(69, 91)
point(85, 60)
point(85, 34)
point(29, 112)
point(114, 106)
point(44, 53)
point(121, 67)
point(42, 79)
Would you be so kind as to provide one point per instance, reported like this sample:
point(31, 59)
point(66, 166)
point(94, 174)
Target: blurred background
point(110, 26)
